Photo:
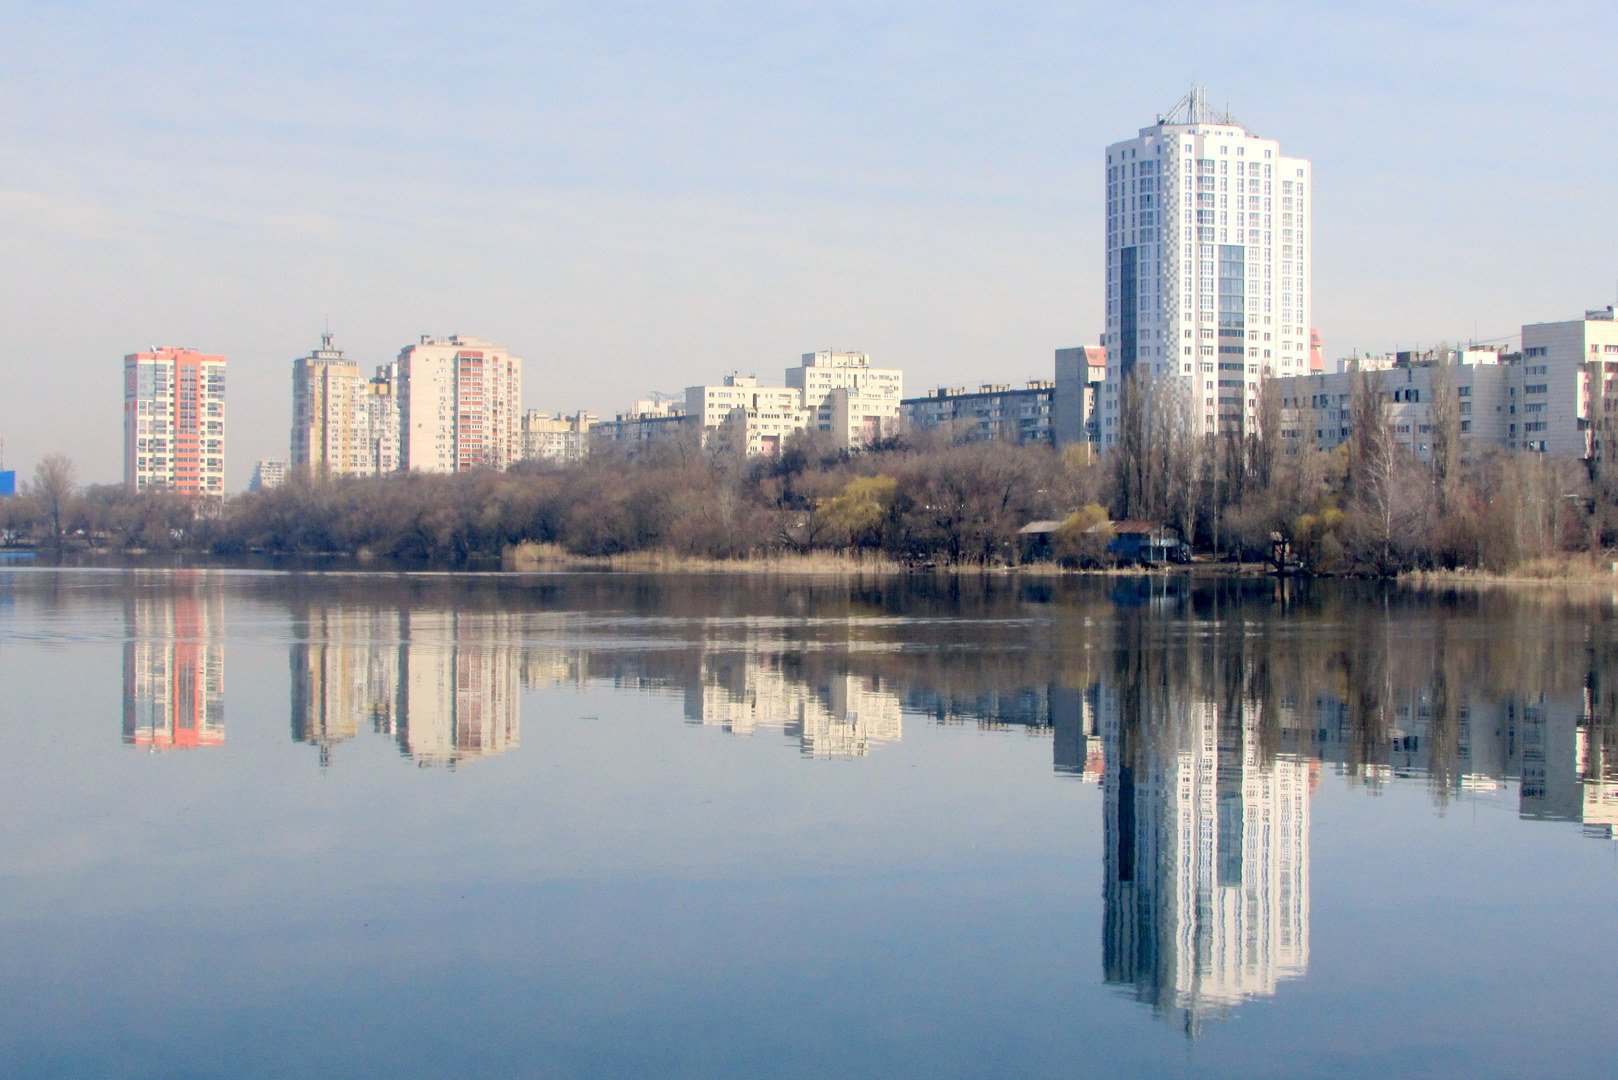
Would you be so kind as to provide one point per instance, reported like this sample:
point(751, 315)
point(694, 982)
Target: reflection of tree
point(1375, 681)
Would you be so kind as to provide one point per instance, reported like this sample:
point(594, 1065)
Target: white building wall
point(1208, 274)
point(460, 405)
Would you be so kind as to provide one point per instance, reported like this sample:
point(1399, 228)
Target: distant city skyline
point(634, 196)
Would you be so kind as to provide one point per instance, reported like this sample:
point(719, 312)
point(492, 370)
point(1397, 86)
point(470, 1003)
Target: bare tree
point(1444, 442)
point(53, 490)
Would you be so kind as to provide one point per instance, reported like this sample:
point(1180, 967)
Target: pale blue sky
point(637, 197)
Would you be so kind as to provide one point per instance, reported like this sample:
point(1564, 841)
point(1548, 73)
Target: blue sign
point(8, 482)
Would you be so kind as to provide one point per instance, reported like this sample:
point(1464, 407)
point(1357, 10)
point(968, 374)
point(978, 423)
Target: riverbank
point(1571, 571)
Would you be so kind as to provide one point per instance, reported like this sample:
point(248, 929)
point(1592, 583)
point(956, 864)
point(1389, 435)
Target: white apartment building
point(383, 427)
point(994, 412)
point(267, 473)
point(647, 420)
point(1207, 265)
point(1552, 395)
point(757, 419)
point(1316, 410)
point(1539, 400)
point(460, 405)
point(174, 422)
point(857, 403)
point(835, 392)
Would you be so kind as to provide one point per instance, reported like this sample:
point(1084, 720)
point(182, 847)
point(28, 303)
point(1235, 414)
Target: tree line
point(1370, 507)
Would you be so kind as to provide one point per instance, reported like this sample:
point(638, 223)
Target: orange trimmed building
point(174, 422)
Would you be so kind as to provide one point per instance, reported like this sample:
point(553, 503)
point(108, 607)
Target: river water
point(269, 824)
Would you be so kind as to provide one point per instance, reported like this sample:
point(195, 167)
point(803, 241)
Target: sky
point(637, 197)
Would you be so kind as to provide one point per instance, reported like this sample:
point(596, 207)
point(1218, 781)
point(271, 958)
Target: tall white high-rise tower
point(1208, 270)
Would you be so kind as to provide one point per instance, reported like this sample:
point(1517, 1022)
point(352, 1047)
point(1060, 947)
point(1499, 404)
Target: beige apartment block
point(1080, 373)
point(330, 422)
point(548, 437)
point(460, 404)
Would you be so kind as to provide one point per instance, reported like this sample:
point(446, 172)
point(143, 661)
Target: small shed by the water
point(1147, 542)
point(1037, 539)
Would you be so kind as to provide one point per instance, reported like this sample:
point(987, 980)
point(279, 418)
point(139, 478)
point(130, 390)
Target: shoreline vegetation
point(926, 501)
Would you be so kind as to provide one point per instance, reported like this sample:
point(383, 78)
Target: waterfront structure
point(267, 473)
point(559, 438)
point(993, 412)
point(174, 422)
point(460, 403)
point(1081, 371)
point(1207, 267)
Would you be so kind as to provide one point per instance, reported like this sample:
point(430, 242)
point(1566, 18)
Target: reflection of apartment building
point(345, 675)
point(839, 716)
point(1207, 859)
point(174, 671)
point(444, 684)
point(459, 696)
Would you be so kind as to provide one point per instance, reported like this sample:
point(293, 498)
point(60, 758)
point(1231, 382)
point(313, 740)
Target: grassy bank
point(1566, 570)
point(537, 557)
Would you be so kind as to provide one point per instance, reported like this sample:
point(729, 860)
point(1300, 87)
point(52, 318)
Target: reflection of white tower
point(458, 688)
point(1207, 860)
point(840, 717)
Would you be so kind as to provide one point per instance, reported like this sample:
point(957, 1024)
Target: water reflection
point(174, 669)
point(831, 716)
point(1206, 851)
point(444, 684)
point(1420, 691)
point(1206, 714)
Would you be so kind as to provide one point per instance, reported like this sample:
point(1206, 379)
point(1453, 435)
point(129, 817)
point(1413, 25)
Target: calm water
point(576, 825)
